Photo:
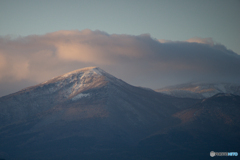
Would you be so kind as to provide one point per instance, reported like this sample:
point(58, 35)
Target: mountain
point(90, 114)
point(200, 90)
point(88, 107)
point(101, 92)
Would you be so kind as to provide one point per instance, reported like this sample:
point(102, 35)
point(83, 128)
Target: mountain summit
point(71, 84)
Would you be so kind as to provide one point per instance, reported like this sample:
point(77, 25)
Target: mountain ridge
point(200, 90)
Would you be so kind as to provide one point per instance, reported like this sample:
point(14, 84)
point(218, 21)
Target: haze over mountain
point(90, 114)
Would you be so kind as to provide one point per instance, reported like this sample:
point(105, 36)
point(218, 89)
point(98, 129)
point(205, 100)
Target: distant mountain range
point(90, 114)
point(200, 90)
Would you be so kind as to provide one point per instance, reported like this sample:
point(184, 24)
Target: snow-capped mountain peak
point(83, 72)
point(73, 85)
point(87, 72)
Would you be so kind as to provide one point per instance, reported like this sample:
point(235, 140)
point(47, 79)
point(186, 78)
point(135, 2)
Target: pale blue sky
point(163, 19)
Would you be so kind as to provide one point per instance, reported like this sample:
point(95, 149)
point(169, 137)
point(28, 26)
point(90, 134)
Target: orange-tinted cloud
point(208, 41)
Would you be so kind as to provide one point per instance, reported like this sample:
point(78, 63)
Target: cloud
point(15, 67)
point(208, 41)
point(139, 60)
point(97, 47)
point(2, 65)
point(164, 41)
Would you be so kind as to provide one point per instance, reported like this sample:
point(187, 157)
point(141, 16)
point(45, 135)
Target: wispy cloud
point(139, 60)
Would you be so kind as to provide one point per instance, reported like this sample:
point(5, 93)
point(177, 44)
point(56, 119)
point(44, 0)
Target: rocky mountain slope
point(90, 114)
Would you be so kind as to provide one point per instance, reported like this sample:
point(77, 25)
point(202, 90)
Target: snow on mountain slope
point(73, 83)
point(79, 80)
point(200, 90)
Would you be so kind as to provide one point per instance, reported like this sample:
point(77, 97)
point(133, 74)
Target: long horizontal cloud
point(139, 60)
